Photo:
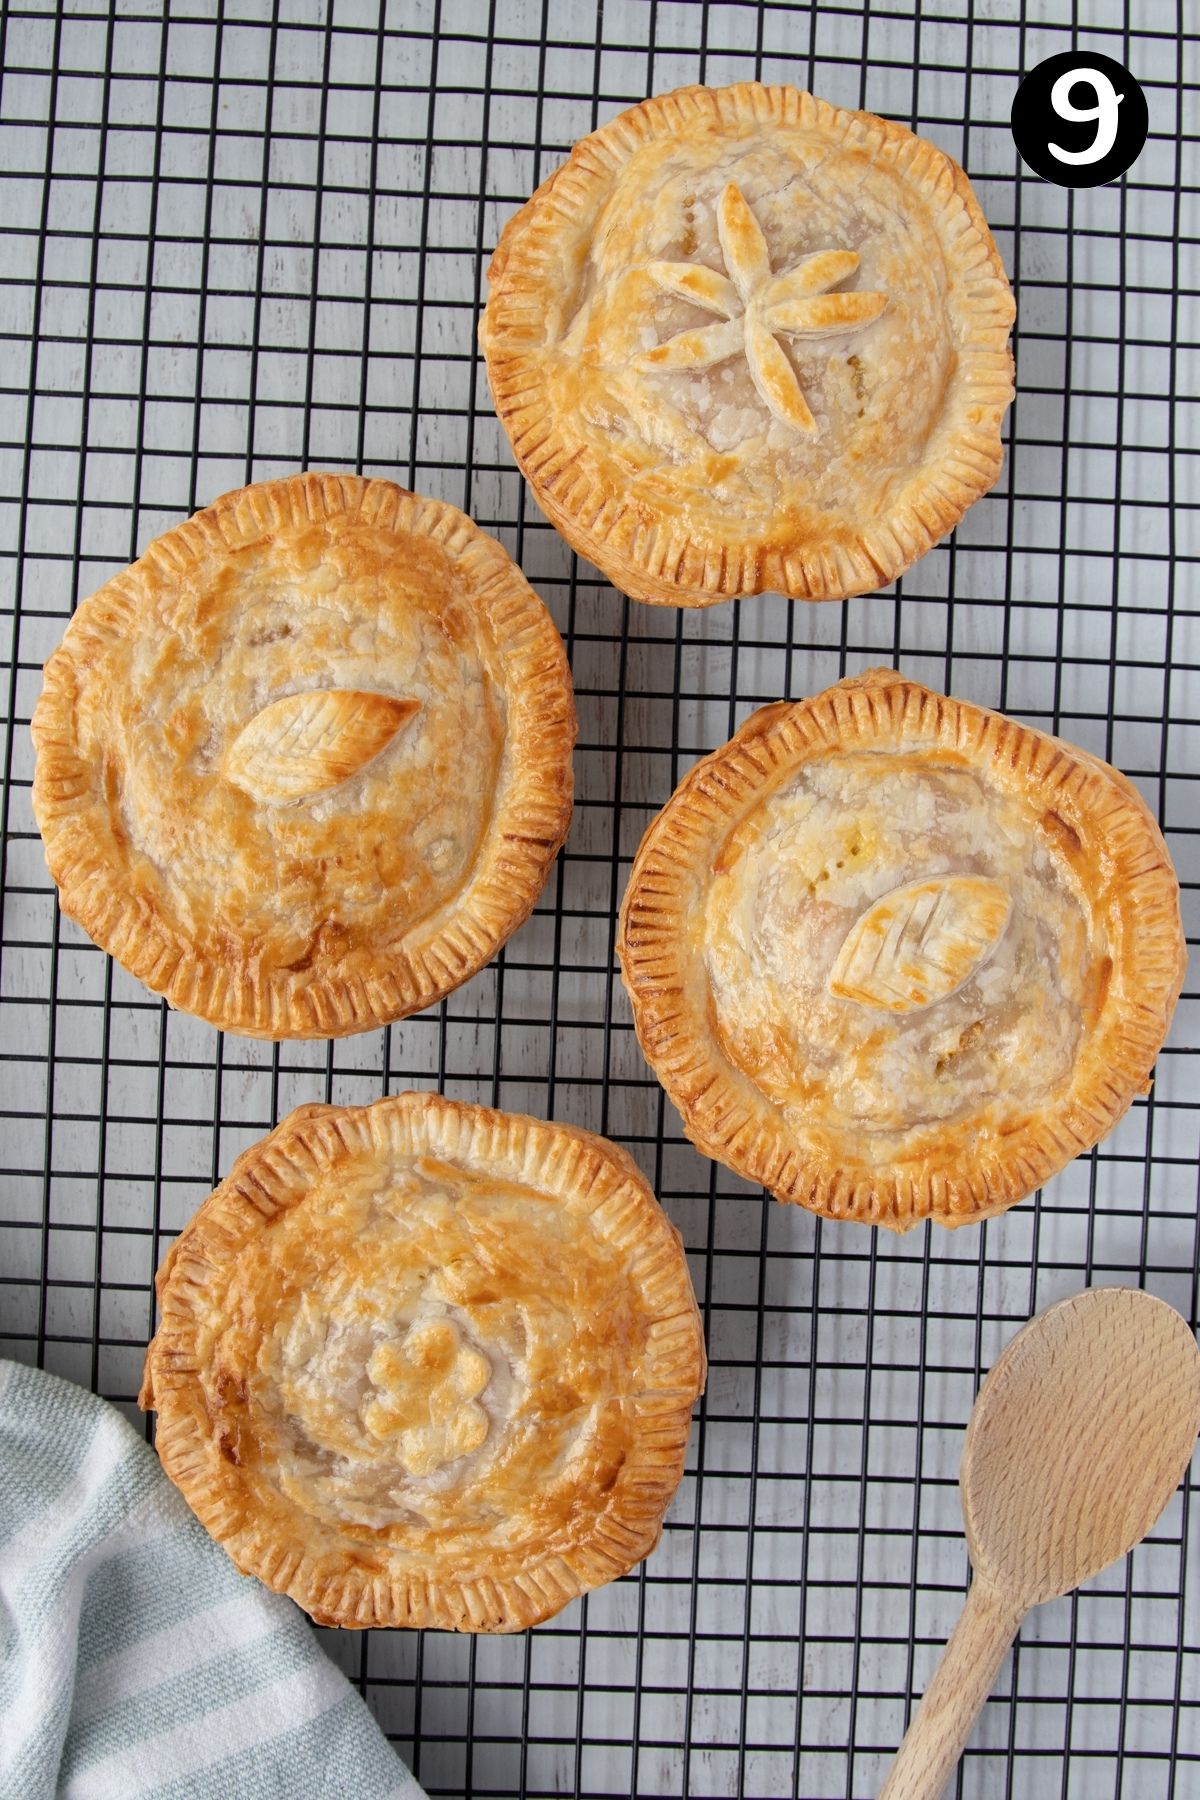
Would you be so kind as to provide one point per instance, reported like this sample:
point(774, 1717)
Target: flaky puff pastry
point(420, 1363)
point(744, 340)
point(304, 767)
point(897, 957)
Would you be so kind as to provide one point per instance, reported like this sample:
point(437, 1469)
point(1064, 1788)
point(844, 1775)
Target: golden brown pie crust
point(304, 766)
point(897, 957)
point(701, 404)
point(420, 1363)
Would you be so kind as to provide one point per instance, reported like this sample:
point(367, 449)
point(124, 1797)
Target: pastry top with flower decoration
point(759, 309)
point(304, 766)
point(897, 957)
point(420, 1363)
point(745, 340)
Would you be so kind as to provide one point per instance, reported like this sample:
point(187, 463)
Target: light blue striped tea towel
point(134, 1659)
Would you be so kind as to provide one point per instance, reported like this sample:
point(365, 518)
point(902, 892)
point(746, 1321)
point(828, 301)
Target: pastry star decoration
point(757, 308)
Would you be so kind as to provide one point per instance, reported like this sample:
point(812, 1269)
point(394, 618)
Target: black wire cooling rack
point(246, 236)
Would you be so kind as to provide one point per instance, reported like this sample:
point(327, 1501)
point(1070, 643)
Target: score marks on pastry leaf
point(921, 942)
point(304, 743)
point(1079, 119)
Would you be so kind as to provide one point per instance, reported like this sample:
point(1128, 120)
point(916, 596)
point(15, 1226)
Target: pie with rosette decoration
point(421, 1363)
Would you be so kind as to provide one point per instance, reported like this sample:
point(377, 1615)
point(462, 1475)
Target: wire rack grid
point(246, 236)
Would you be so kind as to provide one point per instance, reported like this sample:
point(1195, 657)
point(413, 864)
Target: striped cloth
point(134, 1659)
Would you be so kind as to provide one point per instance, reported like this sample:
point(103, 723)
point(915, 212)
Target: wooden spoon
point(1079, 1437)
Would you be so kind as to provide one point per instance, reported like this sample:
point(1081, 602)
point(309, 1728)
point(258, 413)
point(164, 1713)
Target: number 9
point(1104, 112)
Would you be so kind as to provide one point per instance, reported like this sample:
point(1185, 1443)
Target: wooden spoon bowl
point(1078, 1439)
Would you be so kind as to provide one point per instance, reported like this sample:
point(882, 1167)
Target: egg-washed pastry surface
point(895, 956)
point(420, 1363)
point(304, 766)
point(744, 340)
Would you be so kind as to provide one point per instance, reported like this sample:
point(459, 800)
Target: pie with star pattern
point(744, 340)
point(421, 1363)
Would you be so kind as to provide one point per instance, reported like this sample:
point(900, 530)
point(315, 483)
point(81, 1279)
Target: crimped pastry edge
point(727, 1117)
point(583, 1170)
point(320, 1002)
point(679, 569)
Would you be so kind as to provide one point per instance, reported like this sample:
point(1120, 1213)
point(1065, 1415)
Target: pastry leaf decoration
point(756, 308)
point(304, 743)
point(920, 942)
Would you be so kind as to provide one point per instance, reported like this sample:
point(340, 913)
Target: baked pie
point(304, 767)
point(420, 1363)
point(744, 340)
point(897, 957)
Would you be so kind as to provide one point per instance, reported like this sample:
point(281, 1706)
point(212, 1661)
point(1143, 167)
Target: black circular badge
point(1079, 119)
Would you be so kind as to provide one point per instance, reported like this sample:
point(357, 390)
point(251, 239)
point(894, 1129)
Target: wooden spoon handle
point(961, 1683)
